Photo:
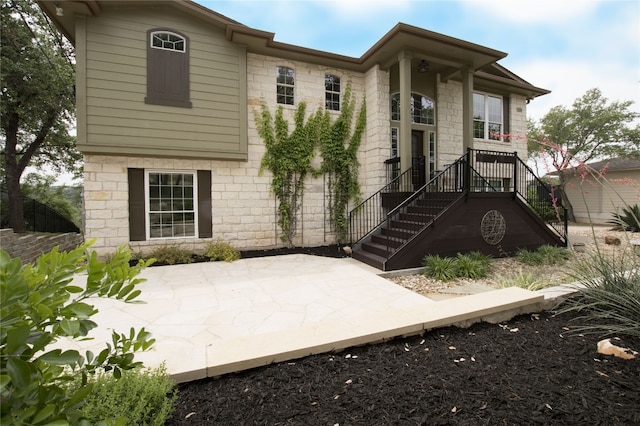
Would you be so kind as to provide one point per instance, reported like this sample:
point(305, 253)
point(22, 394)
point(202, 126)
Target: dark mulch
point(326, 251)
point(527, 371)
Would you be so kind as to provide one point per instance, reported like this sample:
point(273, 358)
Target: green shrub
point(221, 250)
point(608, 298)
point(139, 397)
point(544, 255)
point(628, 220)
point(440, 268)
point(41, 303)
point(471, 266)
point(171, 255)
point(523, 280)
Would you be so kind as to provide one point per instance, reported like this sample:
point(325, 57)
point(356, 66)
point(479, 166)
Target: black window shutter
point(204, 204)
point(137, 222)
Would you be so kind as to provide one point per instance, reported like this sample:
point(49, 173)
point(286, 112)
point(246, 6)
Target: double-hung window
point(171, 204)
point(285, 83)
point(332, 92)
point(487, 117)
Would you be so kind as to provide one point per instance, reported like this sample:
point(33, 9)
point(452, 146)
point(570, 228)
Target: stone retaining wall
point(29, 246)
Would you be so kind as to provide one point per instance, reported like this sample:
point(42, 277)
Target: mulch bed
point(528, 371)
point(325, 251)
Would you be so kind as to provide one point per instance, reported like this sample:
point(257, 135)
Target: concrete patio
point(215, 318)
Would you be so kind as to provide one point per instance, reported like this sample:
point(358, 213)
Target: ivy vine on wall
point(289, 156)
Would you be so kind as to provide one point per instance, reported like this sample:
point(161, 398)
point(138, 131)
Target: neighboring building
point(166, 96)
point(603, 188)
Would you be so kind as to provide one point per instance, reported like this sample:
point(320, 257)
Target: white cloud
point(529, 11)
point(569, 80)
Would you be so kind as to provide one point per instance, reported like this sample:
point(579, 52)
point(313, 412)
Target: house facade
point(167, 93)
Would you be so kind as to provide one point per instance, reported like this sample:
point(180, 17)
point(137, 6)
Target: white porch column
point(467, 109)
point(404, 139)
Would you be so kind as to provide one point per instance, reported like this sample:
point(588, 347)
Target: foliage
point(592, 128)
point(37, 99)
point(525, 280)
point(221, 250)
point(339, 148)
point(41, 303)
point(288, 157)
point(65, 201)
point(440, 268)
point(170, 255)
point(471, 265)
point(608, 299)
point(139, 397)
point(543, 255)
point(628, 219)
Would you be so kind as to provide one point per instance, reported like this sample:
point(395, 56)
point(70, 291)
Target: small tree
point(41, 303)
point(37, 99)
point(593, 128)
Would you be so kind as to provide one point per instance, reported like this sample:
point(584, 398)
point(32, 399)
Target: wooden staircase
point(445, 215)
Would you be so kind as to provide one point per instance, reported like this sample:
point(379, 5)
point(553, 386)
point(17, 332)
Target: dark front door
point(417, 159)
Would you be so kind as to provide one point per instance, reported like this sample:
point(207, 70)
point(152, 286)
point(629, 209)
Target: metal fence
point(37, 216)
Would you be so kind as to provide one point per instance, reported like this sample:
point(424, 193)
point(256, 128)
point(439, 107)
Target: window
point(284, 85)
point(422, 109)
point(487, 117)
point(332, 92)
point(394, 142)
point(167, 69)
point(169, 204)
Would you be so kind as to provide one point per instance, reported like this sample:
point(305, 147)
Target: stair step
point(386, 240)
point(377, 249)
point(415, 217)
point(401, 234)
point(369, 258)
point(411, 226)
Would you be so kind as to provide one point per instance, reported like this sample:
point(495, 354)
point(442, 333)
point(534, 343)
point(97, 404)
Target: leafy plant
point(440, 268)
point(171, 255)
point(41, 303)
point(221, 250)
point(608, 298)
point(288, 157)
point(479, 264)
point(139, 397)
point(524, 280)
point(628, 220)
point(339, 147)
point(544, 255)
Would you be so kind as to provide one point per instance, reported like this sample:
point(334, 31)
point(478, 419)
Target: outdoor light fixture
point(423, 66)
point(59, 10)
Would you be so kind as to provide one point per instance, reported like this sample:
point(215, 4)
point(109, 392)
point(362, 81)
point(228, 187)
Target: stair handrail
point(371, 211)
point(556, 218)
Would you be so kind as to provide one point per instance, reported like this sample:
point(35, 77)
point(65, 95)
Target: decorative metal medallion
point(493, 227)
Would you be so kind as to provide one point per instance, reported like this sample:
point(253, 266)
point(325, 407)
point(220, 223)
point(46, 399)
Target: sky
point(566, 46)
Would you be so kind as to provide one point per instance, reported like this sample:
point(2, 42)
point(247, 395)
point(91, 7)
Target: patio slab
point(215, 318)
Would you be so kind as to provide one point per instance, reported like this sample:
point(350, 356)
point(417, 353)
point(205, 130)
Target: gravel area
point(505, 268)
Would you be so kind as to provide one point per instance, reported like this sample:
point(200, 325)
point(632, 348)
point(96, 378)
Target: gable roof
point(446, 55)
point(617, 164)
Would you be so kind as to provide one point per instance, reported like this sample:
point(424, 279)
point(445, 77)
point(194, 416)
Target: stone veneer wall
point(29, 246)
point(243, 208)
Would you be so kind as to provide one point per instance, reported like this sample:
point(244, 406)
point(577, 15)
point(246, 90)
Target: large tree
point(37, 100)
point(592, 129)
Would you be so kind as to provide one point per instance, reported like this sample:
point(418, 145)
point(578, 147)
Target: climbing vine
point(288, 158)
point(338, 148)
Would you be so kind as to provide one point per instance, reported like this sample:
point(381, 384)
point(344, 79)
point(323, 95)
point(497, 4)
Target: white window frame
point(486, 122)
point(147, 202)
point(184, 41)
point(286, 85)
point(332, 93)
point(411, 108)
